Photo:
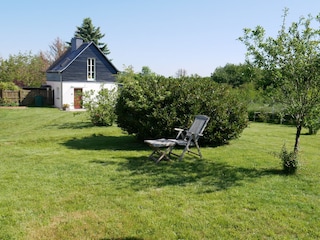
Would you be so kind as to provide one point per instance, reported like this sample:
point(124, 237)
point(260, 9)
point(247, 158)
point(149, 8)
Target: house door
point(77, 98)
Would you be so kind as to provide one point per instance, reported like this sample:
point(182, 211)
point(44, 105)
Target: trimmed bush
point(152, 106)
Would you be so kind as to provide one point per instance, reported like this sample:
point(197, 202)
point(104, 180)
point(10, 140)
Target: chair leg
point(186, 149)
point(182, 154)
point(158, 154)
point(151, 155)
point(198, 148)
point(163, 155)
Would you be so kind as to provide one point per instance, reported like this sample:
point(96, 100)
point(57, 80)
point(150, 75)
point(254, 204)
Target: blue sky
point(165, 35)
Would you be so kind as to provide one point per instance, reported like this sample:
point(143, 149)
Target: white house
point(82, 68)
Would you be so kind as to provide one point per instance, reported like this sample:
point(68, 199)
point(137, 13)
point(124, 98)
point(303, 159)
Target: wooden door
point(77, 98)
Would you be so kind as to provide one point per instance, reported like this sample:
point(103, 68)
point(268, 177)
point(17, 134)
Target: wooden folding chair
point(189, 138)
point(162, 148)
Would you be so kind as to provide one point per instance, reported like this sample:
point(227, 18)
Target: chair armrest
point(180, 133)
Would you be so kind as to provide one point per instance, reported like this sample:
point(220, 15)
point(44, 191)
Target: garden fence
point(27, 97)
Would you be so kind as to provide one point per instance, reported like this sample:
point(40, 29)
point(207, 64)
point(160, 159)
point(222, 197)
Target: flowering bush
point(101, 107)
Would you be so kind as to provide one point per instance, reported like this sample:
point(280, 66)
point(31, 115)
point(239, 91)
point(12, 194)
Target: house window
point(91, 67)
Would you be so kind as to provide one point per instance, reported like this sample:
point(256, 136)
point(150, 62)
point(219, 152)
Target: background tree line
point(27, 69)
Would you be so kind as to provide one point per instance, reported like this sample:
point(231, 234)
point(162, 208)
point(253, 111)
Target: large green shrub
point(151, 106)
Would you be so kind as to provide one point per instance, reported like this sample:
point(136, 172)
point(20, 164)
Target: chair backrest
point(199, 124)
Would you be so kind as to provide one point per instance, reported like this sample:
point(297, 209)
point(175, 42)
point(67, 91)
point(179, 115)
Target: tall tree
point(89, 33)
point(181, 73)
point(292, 61)
point(146, 71)
point(56, 50)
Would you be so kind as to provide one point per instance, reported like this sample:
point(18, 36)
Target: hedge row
point(270, 117)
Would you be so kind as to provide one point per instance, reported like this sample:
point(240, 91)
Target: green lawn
point(62, 178)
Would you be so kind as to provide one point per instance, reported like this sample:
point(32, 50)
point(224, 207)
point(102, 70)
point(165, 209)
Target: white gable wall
point(64, 91)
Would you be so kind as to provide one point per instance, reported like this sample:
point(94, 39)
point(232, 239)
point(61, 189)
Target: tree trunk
point(296, 145)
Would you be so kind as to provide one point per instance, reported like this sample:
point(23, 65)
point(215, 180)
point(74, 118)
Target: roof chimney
point(76, 43)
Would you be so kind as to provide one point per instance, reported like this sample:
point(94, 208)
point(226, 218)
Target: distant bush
point(151, 106)
point(7, 102)
point(312, 121)
point(8, 86)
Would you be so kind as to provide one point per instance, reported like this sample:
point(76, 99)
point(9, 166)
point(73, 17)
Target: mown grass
point(62, 178)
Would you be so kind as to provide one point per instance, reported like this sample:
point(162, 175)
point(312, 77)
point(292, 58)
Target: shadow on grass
point(204, 175)
point(124, 238)
point(102, 142)
point(73, 125)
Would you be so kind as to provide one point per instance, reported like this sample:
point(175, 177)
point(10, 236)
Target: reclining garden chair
point(189, 138)
point(186, 138)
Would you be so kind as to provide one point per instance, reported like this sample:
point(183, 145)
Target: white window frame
point(91, 69)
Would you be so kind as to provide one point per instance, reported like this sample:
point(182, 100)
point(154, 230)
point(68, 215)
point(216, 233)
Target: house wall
point(56, 87)
point(53, 76)
point(64, 94)
point(77, 71)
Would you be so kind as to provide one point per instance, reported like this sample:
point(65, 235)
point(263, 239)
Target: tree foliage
point(24, 69)
point(235, 75)
point(152, 106)
point(88, 32)
point(292, 63)
point(146, 71)
point(8, 86)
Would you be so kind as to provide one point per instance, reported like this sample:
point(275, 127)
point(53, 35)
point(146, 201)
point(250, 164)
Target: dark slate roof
point(69, 56)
